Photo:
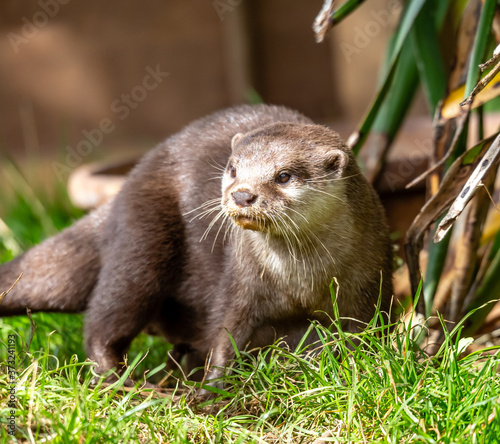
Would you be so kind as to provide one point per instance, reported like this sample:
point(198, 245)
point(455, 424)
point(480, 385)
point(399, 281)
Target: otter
point(237, 224)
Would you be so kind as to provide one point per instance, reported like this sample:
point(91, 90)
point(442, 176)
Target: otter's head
point(285, 176)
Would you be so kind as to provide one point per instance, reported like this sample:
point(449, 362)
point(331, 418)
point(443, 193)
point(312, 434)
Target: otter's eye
point(232, 171)
point(283, 178)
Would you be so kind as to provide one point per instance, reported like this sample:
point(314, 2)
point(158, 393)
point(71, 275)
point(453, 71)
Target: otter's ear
point(236, 139)
point(336, 161)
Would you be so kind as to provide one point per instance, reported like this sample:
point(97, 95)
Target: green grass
point(386, 390)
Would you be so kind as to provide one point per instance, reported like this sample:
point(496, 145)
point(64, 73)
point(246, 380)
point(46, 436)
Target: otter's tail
point(59, 274)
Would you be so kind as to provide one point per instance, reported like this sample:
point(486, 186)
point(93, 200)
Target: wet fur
point(165, 254)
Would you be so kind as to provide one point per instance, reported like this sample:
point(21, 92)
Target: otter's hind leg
point(118, 311)
point(132, 286)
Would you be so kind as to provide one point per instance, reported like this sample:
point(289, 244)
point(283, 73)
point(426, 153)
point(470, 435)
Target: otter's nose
point(244, 198)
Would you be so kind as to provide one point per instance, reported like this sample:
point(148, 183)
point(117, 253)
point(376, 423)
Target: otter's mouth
point(248, 223)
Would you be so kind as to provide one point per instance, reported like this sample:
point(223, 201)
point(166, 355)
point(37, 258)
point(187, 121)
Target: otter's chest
point(292, 281)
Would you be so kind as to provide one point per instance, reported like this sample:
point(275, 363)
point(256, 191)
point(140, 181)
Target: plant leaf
point(392, 112)
point(430, 65)
point(451, 106)
point(343, 11)
point(450, 187)
point(487, 162)
point(465, 251)
point(357, 139)
point(481, 39)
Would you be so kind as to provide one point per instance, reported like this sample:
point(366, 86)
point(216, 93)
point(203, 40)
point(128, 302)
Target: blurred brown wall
point(68, 66)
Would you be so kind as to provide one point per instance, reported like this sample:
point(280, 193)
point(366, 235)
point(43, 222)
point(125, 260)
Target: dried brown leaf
point(450, 187)
point(483, 164)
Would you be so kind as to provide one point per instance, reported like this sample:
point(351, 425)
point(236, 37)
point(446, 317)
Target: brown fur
point(139, 262)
